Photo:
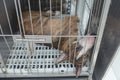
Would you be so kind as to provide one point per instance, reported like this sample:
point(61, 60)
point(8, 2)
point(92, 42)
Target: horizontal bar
point(48, 36)
point(44, 75)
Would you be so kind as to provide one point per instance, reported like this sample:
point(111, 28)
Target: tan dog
point(57, 27)
point(46, 25)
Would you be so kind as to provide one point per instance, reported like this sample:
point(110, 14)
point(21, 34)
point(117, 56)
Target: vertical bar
point(70, 34)
point(42, 47)
point(40, 17)
point(76, 8)
point(90, 16)
point(7, 17)
point(105, 10)
point(13, 59)
point(75, 53)
point(86, 38)
point(100, 3)
point(4, 38)
point(16, 8)
point(30, 17)
point(60, 28)
point(51, 19)
point(18, 59)
point(29, 61)
point(27, 56)
point(80, 13)
point(21, 17)
point(2, 64)
point(32, 50)
point(51, 27)
point(37, 59)
point(60, 25)
point(98, 11)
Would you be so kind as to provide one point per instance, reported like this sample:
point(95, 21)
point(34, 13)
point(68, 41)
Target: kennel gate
point(23, 57)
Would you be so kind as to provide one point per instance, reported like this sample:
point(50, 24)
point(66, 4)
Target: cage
point(28, 30)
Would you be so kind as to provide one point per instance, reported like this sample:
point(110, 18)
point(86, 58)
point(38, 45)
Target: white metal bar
point(82, 14)
point(51, 26)
point(69, 35)
point(105, 10)
point(60, 30)
point(90, 19)
point(18, 61)
point(7, 16)
point(40, 17)
point(43, 59)
point(51, 20)
point(2, 64)
point(30, 17)
point(32, 50)
point(36, 59)
point(21, 17)
point(98, 12)
point(29, 61)
point(88, 5)
point(28, 65)
point(4, 38)
point(16, 8)
point(60, 25)
point(12, 62)
point(51, 36)
point(42, 75)
point(99, 6)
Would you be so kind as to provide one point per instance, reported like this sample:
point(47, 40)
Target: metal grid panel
point(42, 60)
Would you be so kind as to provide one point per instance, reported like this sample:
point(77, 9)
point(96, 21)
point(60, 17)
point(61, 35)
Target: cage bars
point(7, 17)
point(4, 38)
point(60, 24)
point(2, 65)
point(30, 17)
point(40, 17)
point(18, 18)
point(21, 17)
point(69, 34)
point(51, 21)
point(28, 56)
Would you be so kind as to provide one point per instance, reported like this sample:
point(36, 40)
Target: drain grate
point(41, 60)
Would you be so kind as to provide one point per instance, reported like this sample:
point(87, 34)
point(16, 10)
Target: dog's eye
point(78, 48)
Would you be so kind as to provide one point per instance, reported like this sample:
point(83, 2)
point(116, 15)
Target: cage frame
point(105, 11)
